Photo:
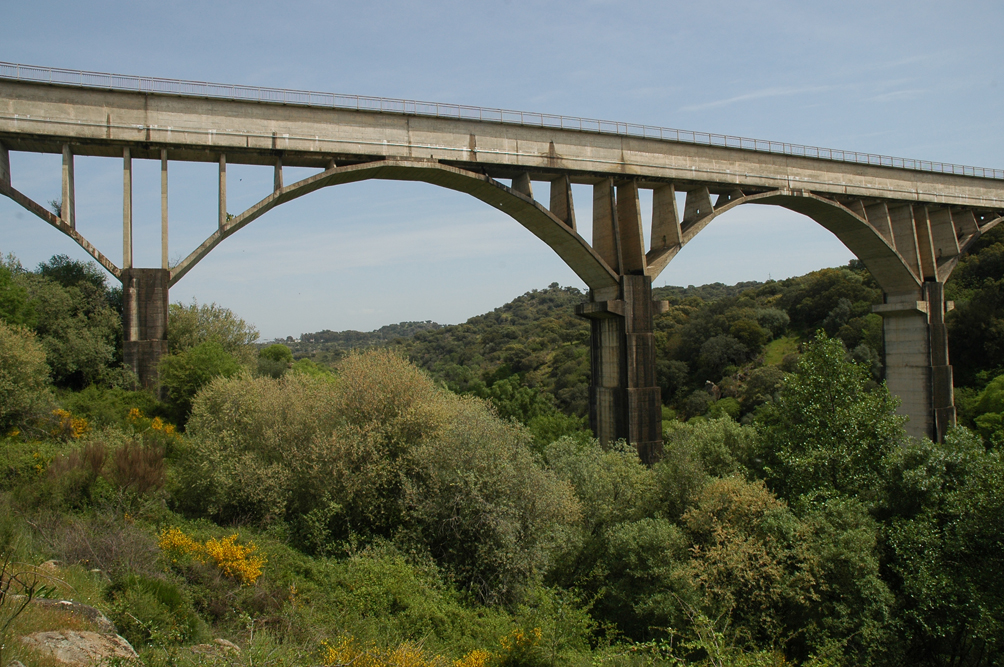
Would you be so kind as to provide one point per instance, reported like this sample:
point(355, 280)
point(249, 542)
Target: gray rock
point(217, 648)
point(93, 615)
point(228, 646)
point(80, 649)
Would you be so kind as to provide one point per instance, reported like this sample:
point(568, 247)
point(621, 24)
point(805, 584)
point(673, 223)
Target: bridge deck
point(43, 117)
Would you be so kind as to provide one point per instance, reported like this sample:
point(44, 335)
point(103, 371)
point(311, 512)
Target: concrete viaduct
point(908, 221)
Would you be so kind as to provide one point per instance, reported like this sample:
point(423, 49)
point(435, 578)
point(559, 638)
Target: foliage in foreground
point(371, 513)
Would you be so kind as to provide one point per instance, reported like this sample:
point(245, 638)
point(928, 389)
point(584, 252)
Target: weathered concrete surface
point(625, 401)
point(144, 321)
point(43, 117)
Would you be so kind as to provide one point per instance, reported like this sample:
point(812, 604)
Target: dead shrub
point(89, 460)
point(105, 541)
point(73, 474)
point(138, 467)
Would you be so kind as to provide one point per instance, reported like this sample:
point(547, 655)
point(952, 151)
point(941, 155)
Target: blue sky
point(913, 79)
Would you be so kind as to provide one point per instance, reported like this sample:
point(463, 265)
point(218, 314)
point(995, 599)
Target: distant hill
point(714, 333)
point(329, 346)
point(710, 292)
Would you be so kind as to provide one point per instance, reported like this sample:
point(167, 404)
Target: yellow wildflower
point(233, 560)
point(69, 426)
point(476, 658)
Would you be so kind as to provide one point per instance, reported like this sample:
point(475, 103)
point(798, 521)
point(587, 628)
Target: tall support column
point(126, 209)
point(625, 401)
point(4, 165)
point(223, 190)
point(164, 261)
point(68, 210)
point(942, 388)
point(916, 359)
point(144, 321)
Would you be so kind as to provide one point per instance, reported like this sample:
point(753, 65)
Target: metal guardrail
point(146, 84)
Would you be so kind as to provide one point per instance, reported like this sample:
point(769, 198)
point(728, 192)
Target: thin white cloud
point(899, 95)
point(764, 93)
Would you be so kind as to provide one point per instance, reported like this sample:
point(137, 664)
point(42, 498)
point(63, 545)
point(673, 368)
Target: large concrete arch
point(852, 229)
point(900, 250)
point(572, 248)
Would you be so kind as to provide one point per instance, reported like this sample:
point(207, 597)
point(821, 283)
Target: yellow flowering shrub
point(173, 539)
point(141, 422)
point(476, 658)
point(349, 652)
point(153, 431)
point(515, 647)
point(67, 426)
point(237, 561)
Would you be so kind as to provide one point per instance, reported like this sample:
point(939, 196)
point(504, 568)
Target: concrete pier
point(144, 321)
point(916, 359)
point(625, 401)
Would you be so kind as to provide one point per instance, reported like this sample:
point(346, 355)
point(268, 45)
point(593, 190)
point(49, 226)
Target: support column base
point(625, 401)
point(143, 357)
point(144, 321)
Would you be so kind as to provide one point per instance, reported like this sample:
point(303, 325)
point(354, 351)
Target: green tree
point(748, 559)
point(182, 375)
point(73, 273)
point(15, 305)
point(830, 428)
point(943, 552)
point(78, 329)
point(25, 395)
point(194, 324)
point(988, 412)
point(274, 360)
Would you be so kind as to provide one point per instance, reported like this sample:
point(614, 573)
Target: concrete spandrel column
point(4, 165)
point(68, 210)
point(126, 209)
point(223, 190)
point(164, 261)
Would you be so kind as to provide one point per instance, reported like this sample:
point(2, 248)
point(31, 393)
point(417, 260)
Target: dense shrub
point(830, 427)
point(486, 511)
point(380, 453)
point(248, 434)
point(25, 395)
point(182, 375)
point(192, 325)
point(109, 406)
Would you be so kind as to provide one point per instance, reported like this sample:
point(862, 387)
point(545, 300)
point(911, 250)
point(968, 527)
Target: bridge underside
point(908, 227)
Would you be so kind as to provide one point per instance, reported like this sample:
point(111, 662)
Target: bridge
point(907, 220)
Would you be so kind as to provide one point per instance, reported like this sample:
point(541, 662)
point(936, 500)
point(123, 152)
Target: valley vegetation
point(430, 495)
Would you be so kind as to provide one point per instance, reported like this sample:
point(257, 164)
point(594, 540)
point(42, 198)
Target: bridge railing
point(146, 84)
